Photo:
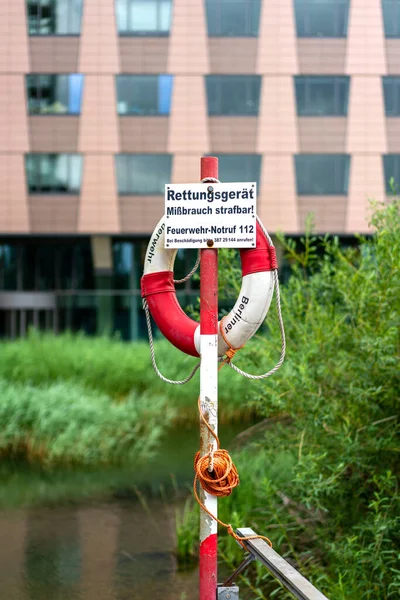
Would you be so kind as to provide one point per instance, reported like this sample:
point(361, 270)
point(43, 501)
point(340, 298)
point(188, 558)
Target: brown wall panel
point(98, 209)
point(53, 213)
point(98, 47)
point(277, 128)
point(143, 55)
point(329, 212)
point(393, 56)
point(188, 50)
point(13, 117)
point(99, 124)
point(393, 135)
point(188, 124)
point(140, 214)
point(186, 168)
point(232, 55)
point(50, 54)
point(233, 134)
point(321, 56)
point(322, 134)
point(277, 202)
point(13, 37)
point(277, 41)
point(143, 134)
point(366, 40)
point(366, 131)
point(53, 134)
point(13, 197)
point(366, 183)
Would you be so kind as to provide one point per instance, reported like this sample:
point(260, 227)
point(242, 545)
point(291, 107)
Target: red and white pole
point(208, 396)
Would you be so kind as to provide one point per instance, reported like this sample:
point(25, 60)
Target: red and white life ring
point(245, 317)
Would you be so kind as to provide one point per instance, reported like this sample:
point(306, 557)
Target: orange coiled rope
point(216, 471)
point(220, 481)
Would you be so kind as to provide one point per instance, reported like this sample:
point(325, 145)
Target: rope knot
point(230, 353)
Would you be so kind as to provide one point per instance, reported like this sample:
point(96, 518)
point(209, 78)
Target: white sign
point(217, 215)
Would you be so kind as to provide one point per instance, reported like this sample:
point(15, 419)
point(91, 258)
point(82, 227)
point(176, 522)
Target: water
point(102, 551)
point(106, 535)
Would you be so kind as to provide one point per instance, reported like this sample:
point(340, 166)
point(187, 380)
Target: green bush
point(324, 484)
point(65, 424)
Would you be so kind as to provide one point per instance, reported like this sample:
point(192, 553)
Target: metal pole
point(208, 396)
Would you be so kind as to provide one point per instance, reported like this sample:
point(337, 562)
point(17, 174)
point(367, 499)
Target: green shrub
point(324, 485)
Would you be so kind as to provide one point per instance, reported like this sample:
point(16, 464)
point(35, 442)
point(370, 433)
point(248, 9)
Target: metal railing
point(291, 579)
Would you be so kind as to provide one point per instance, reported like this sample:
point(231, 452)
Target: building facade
point(105, 101)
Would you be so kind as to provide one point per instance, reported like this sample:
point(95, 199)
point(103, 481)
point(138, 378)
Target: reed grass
point(63, 423)
point(116, 368)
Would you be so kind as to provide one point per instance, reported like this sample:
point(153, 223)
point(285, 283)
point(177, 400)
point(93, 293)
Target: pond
point(98, 536)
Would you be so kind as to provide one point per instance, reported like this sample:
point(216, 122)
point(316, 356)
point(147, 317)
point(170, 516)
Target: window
point(143, 174)
point(236, 18)
point(54, 173)
point(144, 94)
point(54, 17)
point(143, 17)
point(9, 267)
point(322, 174)
point(391, 91)
point(317, 96)
point(321, 18)
point(391, 18)
point(391, 167)
point(233, 94)
point(239, 167)
point(54, 94)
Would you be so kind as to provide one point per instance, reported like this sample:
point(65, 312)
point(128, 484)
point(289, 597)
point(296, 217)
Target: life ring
point(239, 325)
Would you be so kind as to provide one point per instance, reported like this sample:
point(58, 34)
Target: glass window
point(123, 264)
point(54, 94)
point(321, 18)
point(391, 90)
point(54, 173)
point(391, 18)
point(391, 167)
point(46, 268)
point(239, 167)
point(233, 94)
point(143, 174)
point(236, 18)
point(8, 267)
point(54, 17)
point(144, 94)
point(322, 174)
point(316, 96)
point(144, 17)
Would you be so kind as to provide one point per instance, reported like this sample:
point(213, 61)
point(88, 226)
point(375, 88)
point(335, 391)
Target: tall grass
point(117, 369)
point(65, 424)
